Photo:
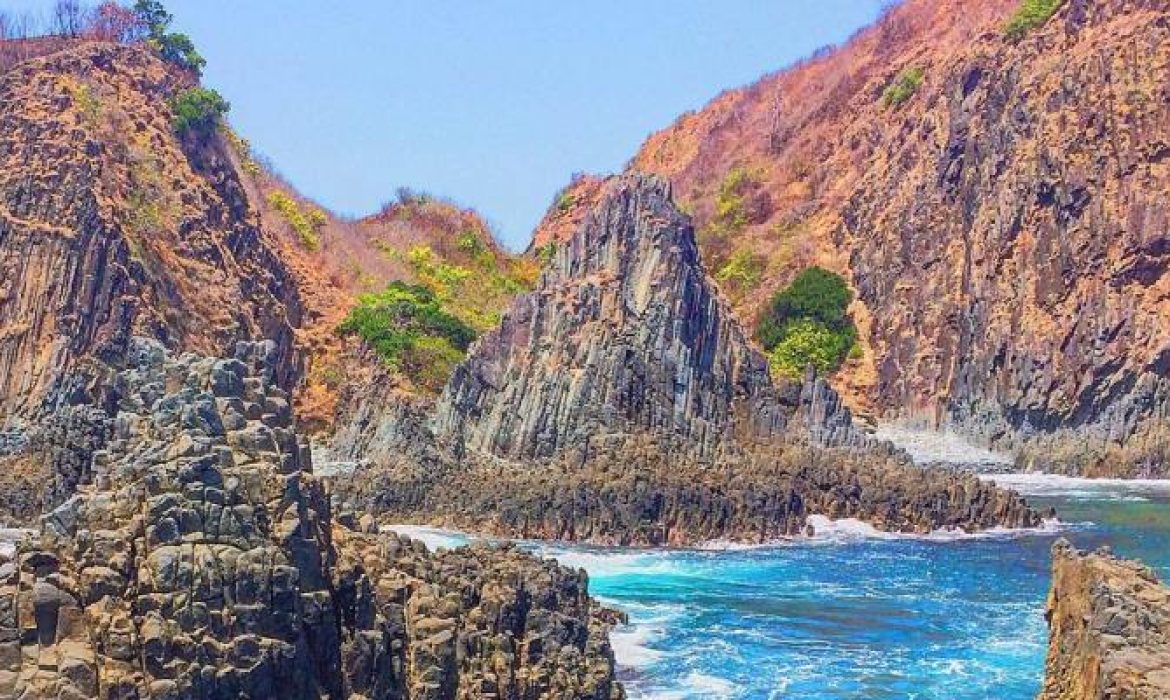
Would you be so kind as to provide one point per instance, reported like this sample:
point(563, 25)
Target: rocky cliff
point(626, 334)
point(620, 402)
point(1109, 627)
point(997, 202)
point(110, 226)
point(205, 561)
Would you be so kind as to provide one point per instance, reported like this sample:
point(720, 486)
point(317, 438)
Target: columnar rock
point(112, 225)
point(620, 402)
point(1109, 629)
point(1003, 221)
point(624, 334)
point(204, 561)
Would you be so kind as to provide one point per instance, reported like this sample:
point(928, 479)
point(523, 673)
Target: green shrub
point(179, 50)
point(409, 330)
point(470, 243)
point(730, 205)
point(743, 271)
point(806, 342)
point(1029, 15)
point(808, 323)
point(172, 47)
point(565, 202)
point(306, 223)
point(903, 87)
point(197, 110)
point(546, 252)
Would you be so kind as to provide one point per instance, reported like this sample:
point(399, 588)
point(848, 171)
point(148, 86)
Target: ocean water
point(856, 614)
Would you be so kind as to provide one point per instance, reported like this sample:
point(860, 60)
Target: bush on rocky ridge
point(808, 323)
point(174, 47)
point(903, 87)
point(305, 222)
point(408, 328)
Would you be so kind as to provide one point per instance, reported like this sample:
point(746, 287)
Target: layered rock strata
point(204, 561)
point(1109, 629)
point(626, 334)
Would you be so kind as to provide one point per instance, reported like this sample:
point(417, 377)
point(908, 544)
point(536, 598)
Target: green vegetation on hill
point(174, 47)
point(743, 272)
point(306, 222)
point(408, 328)
point(903, 87)
point(808, 323)
point(1029, 15)
point(198, 110)
point(737, 203)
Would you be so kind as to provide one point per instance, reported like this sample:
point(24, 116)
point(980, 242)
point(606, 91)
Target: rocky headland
point(996, 202)
point(1109, 629)
point(202, 559)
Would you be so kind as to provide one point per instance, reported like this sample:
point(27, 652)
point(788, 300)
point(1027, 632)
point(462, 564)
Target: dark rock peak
point(625, 333)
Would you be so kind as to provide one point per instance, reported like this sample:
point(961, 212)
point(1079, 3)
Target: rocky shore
point(1109, 628)
point(202, 559)
point(639, 492)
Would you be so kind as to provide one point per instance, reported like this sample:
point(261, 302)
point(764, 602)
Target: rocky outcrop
point(1109, 629)
point(111, 226)
point(626, 334)
point(641, 491)
point(204, 560)
point(621, 403)
point(1004, 228)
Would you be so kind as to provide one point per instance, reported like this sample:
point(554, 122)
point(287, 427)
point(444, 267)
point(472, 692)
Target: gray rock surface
point(203, 560)
point(625, 333)
point(1109, 628)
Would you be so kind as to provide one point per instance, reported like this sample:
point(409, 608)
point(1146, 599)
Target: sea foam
point(1039, 484)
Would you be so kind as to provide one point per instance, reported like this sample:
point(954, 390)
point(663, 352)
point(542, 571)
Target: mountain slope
point(113, 225)
point(1000, 212)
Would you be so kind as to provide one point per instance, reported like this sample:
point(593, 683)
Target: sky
point(491, 103)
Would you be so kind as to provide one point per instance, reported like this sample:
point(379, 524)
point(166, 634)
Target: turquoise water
point(852, 614)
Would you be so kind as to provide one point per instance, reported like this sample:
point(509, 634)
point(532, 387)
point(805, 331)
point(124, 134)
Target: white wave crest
point(851, 529)
point(631, 645)
point(432, 537)
point(1038, 484)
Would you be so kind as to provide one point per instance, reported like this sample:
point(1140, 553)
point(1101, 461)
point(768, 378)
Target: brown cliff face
point(205, 561)
point(624, 334)
point(1109, 629)
point(1005, 228)
point(111, 226)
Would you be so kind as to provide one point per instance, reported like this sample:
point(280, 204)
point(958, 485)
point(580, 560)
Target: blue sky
point(493, 104)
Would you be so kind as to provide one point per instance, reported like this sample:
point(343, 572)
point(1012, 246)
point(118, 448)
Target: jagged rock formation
point(1109, 629)
point(1004, 228)
point(626, 334)
point(640, 491)
point(205, 561)
point(110, 226)
point(620, 402)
